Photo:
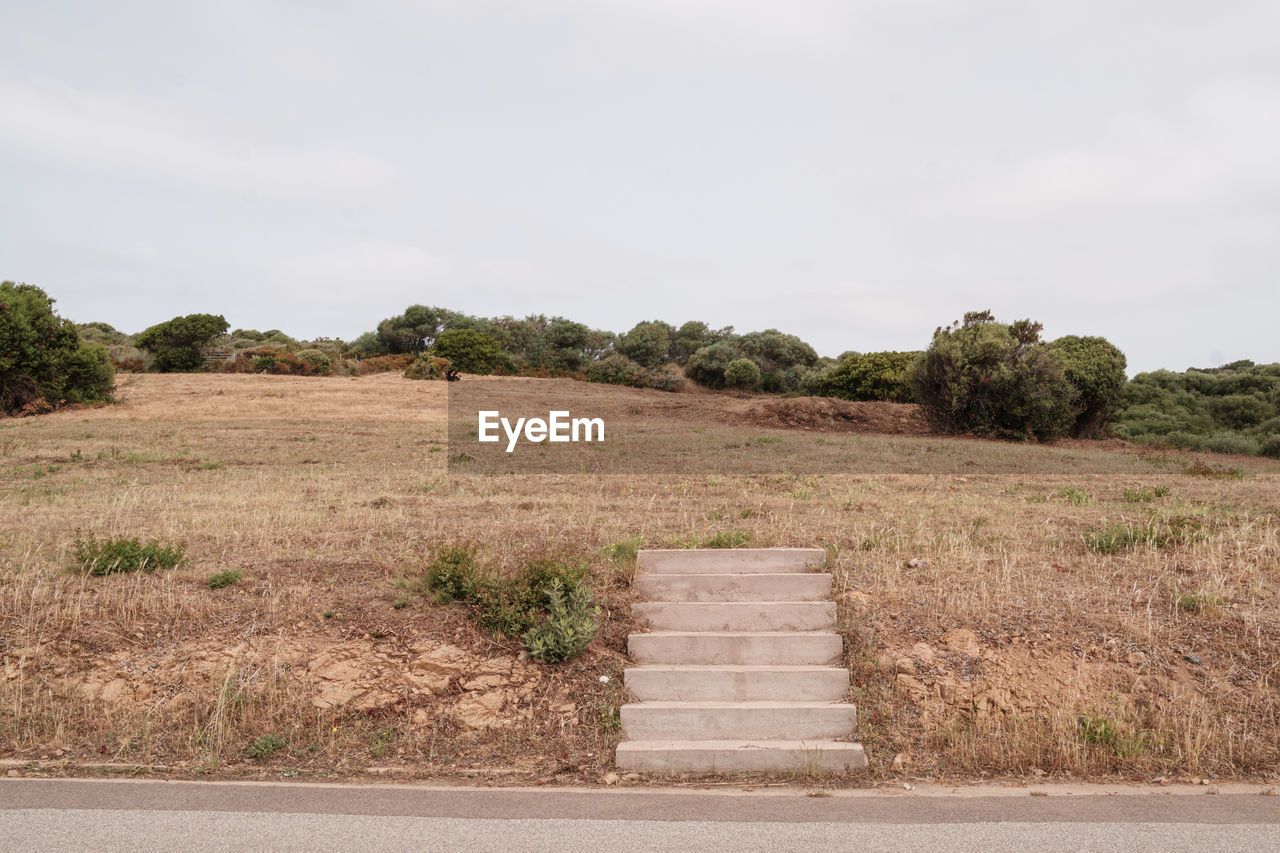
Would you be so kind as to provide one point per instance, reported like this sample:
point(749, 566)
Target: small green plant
point(1073, 495)
point(1155, 532)
point(329, 614)
point(1197, 602)
point(1145, 494)
point(569, 625)
point(452, 574)
point(726, 539)
point(224, 579)
point(1097, 730)
point(624, 553)
point(212, 466)
point(400, 603)
point(263, 746)
point(547, 604)
point(125, 555)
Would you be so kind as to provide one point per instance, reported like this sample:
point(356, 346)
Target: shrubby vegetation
point(1230, 409)
point(548, 605)
point(977, 376)
point(869, 376)
point(43, 362)
point(177, 344)
point(989, 378)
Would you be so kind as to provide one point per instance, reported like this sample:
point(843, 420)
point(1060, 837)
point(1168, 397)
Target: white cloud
point(1219, 150)
point(136, 140)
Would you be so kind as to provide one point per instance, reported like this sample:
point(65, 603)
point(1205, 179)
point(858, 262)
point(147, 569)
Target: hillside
point(1102, 609)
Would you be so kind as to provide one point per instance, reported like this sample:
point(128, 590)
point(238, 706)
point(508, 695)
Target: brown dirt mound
point(830, 415)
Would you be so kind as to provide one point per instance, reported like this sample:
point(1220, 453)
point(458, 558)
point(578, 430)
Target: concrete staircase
point(741, 670)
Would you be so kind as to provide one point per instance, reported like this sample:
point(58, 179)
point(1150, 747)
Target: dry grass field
point(996, 624)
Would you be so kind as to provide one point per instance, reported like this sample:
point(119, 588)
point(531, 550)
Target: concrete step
point(739, 756)
point(771, 586)
point(736, 615)
point(730, 683)
point(729, 560)
point(737, 720)
point(807, 648)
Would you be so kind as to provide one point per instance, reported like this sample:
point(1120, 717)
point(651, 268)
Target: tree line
point(977, 375)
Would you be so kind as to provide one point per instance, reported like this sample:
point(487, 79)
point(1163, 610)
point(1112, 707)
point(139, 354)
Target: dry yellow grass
point(327, 492)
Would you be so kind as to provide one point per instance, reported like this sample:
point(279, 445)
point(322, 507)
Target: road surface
point(79, 814)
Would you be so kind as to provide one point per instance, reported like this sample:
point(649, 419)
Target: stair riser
point(791, 586)
point(736, 616)
point(817, 758)
point(640, 722)
point(729, 561)
point(798, 650)
point(735, 686)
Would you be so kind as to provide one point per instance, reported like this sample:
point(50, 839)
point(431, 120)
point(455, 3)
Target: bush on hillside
point(176, 344)
point(989, 378)
point(467, 350)
point(1230, 409)
point(1094, 367)
point(321, 362)
point(43, 363)
point(428, 367)
point(873, 376)
point(647, 344)
point(743, 374)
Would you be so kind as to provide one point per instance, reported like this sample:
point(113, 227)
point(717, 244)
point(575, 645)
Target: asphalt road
point(74, 814)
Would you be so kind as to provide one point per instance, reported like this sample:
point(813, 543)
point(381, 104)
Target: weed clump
point(1155, 532)
point(125, 555)
point(548, 605)
point(224, 579)
point(261, 747)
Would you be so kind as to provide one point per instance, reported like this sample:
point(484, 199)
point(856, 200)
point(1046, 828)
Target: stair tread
point(737, 667)
point(729, 704)
point(630, 745)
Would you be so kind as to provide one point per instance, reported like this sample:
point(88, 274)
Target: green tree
point(468, 350)
point(693, 336)
point(41, 356)
point(707, 365)
point(743, 374)
point(647, 344)
point(176, 343)
point(994, 379)
point(1095, 368)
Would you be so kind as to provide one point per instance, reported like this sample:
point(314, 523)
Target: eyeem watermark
point(559, 426)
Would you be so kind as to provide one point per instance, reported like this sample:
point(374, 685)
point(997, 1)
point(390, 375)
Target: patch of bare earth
point(985, 636)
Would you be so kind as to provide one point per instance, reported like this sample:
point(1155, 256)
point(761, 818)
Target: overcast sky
point(856, 173)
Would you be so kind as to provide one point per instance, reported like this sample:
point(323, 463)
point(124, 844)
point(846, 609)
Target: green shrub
point(426, 366)
point(988, 378)
point(1095, 368)
point(125, 555)
point(176, 343)
point(468, 350)
point(224, 579)
point(320, 361)
point(1074, 495)
point(616, 369)
point(43, 363)
point(452, 574)
point(873, 376)
point(1225, 441)
point(647, 344)
point(546, 604)
point(743, 374)
point(264, 746)
point(1270, 446)
point(707, 365)
point(568, 627)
